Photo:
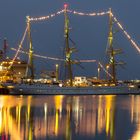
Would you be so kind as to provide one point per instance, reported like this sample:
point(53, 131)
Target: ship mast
point(111, 49)
point(67, 48)
point(30, 61)
point(5, 46)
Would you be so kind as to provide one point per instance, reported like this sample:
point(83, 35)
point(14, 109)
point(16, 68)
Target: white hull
point(37, 89)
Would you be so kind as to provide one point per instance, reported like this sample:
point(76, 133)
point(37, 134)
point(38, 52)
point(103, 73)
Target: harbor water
point(62, 117)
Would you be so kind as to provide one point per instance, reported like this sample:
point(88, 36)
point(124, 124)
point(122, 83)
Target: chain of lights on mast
point(91, 14)
point(103, 68)
point(54, 58)
point(17, 51)
point(46, 17)
point(103, 13)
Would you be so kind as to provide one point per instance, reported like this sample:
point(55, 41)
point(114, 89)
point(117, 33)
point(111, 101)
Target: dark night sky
point(89, 33)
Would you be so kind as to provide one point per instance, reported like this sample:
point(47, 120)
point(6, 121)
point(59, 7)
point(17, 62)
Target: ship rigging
point(68, 51)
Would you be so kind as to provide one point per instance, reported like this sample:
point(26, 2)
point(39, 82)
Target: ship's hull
point(26, 89)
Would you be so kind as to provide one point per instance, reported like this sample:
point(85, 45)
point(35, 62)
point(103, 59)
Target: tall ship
point(70, 85)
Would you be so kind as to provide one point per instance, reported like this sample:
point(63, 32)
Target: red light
point(65, 6)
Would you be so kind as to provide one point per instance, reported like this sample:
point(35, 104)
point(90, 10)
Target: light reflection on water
point(70, 117)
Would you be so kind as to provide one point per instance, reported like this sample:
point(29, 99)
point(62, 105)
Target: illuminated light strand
point(87, 61)
point(105, 70)
point(18, 50)
point(40, 56)
point(89, 14)
point(126, 34)
point(46, 17)
point(54, 58)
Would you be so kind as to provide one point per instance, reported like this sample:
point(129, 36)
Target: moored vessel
point(111, 86)
point(42, 89)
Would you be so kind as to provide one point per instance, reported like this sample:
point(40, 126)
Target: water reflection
point(135, 116)
point(69, 117)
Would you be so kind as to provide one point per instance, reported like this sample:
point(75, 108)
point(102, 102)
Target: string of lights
point(115, 19)
point(40, 56)
point(54, 58)
point(46, 17)
point(126, 33)
point(17, 51)
point(87, 61)
point(70, 11)
point(105, 70)
point(89, 14)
